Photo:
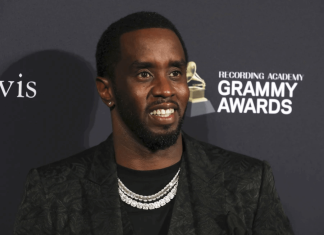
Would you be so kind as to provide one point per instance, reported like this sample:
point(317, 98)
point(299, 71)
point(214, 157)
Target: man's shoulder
point(228, 161)
point(75, 166)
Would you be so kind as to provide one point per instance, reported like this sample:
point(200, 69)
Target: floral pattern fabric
point(219, 192)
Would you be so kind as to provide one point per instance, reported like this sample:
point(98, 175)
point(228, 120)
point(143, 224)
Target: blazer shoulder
point(75, 166)
point(226, 159)
point(241, 173)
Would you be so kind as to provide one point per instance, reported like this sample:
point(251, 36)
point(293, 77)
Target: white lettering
point(5, 92)
point(291, 89)
point(250, 106)
point(31, 89)
point(271, 110)
point(238, 104)
point(236, 86)
point(261, 92)
point(277, 91)
point(226, 88)
point(262, 104)
point(286, 104)
point(20, 90)
point(223, 105)
point(249, 89)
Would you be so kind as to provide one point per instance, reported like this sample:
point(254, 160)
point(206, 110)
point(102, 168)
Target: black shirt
point(148, 222)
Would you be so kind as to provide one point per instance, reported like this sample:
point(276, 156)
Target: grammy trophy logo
point(198, 104)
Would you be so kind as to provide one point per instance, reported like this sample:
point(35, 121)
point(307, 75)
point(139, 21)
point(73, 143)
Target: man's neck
point(131, 153)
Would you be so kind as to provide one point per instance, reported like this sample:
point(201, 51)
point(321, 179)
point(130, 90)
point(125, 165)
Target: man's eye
point(144, 75)
point(175, 74)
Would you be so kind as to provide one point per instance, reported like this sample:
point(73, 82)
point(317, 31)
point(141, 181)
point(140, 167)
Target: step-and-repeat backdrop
point(262, 62)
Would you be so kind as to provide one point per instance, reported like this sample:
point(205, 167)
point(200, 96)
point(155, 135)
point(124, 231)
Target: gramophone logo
point(11, 86)
point(198, 104)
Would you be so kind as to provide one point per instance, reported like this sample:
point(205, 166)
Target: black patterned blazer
point(219, 193)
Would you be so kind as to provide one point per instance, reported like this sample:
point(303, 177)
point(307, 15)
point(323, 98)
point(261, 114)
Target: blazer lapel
point(200, 206)
point(103, 203)
point(182, 220)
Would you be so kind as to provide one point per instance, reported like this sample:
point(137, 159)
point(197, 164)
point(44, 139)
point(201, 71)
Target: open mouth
point(162, 112)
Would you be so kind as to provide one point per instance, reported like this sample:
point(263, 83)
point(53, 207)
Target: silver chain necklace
point(152, 201)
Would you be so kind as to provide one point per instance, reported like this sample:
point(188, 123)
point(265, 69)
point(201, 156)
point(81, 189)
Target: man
point(148, 177)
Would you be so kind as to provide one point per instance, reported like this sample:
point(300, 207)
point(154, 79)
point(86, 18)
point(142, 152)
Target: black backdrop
point(52, 44)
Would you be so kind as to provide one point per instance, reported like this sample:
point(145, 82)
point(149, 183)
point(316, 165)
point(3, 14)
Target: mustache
point(161, 101)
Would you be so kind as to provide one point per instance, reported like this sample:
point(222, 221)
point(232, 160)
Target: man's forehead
point(172, 63)
point(148, 33)
point(143, 42)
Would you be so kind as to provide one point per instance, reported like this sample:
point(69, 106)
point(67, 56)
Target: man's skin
point(152, 68)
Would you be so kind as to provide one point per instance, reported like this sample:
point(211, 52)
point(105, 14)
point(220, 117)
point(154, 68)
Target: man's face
point(151, 91)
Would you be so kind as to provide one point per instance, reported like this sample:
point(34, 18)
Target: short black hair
point(108, 47)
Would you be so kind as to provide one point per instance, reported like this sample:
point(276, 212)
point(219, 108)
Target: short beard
point(150, 140)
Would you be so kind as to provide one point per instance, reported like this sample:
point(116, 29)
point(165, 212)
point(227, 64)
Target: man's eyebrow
point(141, 65)
point(178, 64)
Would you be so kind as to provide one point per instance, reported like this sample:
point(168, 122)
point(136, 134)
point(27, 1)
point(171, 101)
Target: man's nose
point(162, 87)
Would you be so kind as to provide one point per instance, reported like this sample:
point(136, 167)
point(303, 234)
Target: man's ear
point(104, 87)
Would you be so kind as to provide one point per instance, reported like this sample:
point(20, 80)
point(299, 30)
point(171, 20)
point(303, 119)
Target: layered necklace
point(150, 202)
